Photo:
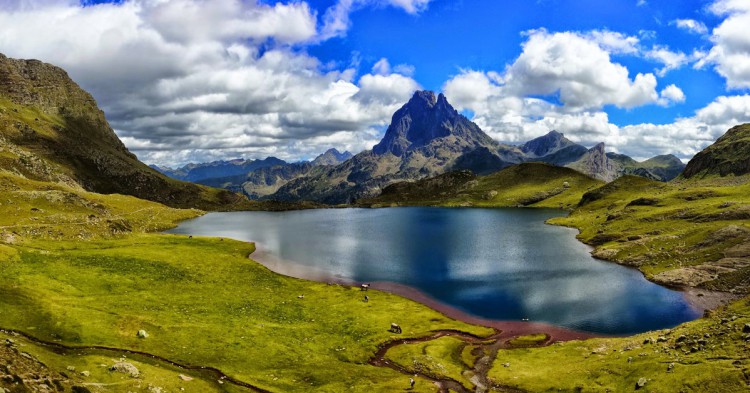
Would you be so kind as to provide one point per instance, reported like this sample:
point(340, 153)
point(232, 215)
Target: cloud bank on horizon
point(194, 81)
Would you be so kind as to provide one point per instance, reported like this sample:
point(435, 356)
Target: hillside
point(529, 184)
point(730, 155)
point(52, 130)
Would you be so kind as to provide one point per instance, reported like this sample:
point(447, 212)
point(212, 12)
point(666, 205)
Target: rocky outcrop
point(729, 155)
point(596, 164)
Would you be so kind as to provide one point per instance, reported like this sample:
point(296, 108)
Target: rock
point(185, 377)
point(70, 368)
point(681, 338)
point(85, 373)
point(630, 359)
point(641, 383)
point(506, 364)
point(566, 185)
point(142, 334)
point(746, 328)
point(126, 368)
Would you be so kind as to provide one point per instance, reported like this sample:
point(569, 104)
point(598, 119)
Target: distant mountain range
point(426, 137)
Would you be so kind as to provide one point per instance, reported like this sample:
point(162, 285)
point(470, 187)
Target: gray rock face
point(595, 163)
point(126, 368)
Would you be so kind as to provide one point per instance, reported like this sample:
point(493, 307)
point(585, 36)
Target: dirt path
point(490, 346)
point(211, 372)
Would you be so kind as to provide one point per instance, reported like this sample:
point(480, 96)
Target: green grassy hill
point(529, 184)
point(52, 130)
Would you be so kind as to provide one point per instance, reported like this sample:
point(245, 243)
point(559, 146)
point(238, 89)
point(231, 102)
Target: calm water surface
point(502, 264)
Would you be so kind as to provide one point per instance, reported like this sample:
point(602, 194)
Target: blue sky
point(194, 80)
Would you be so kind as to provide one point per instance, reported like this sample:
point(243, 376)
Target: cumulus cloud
point(691, 25)
point(730, 54)
point(671, 60)
point(516, 113)
point(181, 80)
point(579, 69)
point(671, 95)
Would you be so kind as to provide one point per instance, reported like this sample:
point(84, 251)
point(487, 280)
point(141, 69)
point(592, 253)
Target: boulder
point(126, 368)
point(142, 334)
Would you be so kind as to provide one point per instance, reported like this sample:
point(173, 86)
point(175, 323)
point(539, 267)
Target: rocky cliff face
point(729, 155)
point(596, 164)
point(59, 134)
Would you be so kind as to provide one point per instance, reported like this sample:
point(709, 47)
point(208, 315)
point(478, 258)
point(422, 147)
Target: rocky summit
point(426, 137)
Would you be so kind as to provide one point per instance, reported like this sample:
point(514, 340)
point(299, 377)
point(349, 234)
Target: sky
point(201, 80)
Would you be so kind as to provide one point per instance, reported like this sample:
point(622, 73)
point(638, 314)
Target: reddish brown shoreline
point(514, 328)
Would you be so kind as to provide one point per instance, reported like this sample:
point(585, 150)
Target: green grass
point(528, 340)
point(530, 184)
point(660, 227)
point(442, 357)
point(204, 303)
point(615, 365)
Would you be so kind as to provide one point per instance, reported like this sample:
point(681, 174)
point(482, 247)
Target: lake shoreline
point(517, 328)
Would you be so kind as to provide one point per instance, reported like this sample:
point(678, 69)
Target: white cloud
point(336, 19)
point(671, 95)
point(691, 25)
point(730, 54)
point(671, 60)
point(181, 79)
point(579, 70)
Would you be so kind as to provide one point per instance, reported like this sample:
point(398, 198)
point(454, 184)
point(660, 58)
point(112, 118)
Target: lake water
point(502, 264)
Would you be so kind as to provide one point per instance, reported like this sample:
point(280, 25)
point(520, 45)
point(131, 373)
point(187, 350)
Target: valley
point(93, 298)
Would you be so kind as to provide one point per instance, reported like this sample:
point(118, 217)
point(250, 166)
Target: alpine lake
point(498, 264)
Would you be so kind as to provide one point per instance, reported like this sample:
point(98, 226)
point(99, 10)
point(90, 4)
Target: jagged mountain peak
point(427, 117)
point(546, 144)
point(332, 157)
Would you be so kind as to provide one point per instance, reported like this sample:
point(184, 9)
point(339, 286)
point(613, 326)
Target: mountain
point(553, 148)
point(200, 173)
point(527, 184)
point(610, 166)
point(596, 164)
point(52, 130)
point(426, 137)
point(729, 155)
point(332, 157)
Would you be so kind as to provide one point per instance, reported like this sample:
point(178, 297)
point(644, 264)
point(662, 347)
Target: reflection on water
point(502, 264)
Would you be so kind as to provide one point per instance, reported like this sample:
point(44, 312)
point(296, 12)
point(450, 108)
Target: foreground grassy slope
point(529, 184)
point(708, 355)
point(77, 269)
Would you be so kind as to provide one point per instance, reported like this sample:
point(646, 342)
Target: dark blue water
point(502, 264)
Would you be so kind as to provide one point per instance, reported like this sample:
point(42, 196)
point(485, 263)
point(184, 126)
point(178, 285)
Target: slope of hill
point(730, 155)
point(553, 148)
point(52, 130)
point(528, 184)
